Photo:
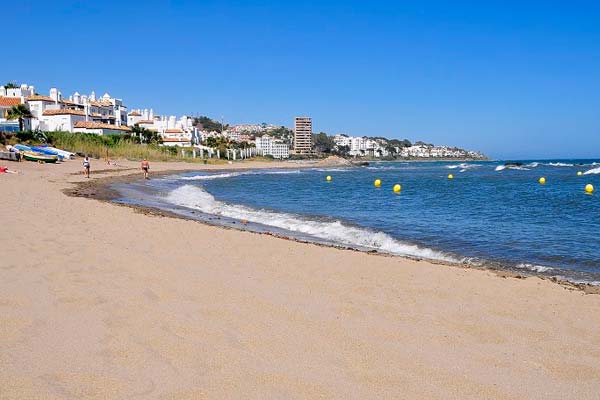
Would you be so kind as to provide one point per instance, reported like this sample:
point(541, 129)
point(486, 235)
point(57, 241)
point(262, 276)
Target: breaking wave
point(560, 164)
point(515, 167)
point(463, 166)
point(209, 177)
point(332, 231)
point(593, 171)
point(535, 268)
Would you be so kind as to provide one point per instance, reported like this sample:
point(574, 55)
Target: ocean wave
point(463, 166)
point(577, 281)
point(386, 168)
point(535, 268)
point(334, 231)
point(209, 177)
point(560, 164)
point(514, 167)
point(347, 169)
point(275, 172)
point(593, 171)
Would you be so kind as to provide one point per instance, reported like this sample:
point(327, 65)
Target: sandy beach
point(101, 301)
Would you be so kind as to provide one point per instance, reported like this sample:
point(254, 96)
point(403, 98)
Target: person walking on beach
point(86, 166)
point(145, 168)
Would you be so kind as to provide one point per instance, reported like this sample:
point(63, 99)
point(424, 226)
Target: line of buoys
point(589, 188)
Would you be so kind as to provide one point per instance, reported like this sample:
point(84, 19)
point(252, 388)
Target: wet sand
point(105, 302)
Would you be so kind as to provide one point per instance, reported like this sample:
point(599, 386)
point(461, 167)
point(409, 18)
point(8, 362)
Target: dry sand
point(98, 301)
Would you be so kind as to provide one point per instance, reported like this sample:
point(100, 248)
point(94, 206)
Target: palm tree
point(10, 85)
point(20, 112)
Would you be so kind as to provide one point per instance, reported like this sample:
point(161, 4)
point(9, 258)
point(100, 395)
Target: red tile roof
point(135, 114)
point(175, 140)
point(64, 111)
point(97, 125)
point(145, 121)
point(173, 131)
point(37, 97)
point(70, 103)
point(9, 101)
point(101, 103)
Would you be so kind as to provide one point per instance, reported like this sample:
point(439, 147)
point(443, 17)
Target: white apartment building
point(170, 127)
point(342, 139)
point(429, 151)
point(360, 145)
point(280, 150)
point(420, 151)
point(22, 92)
point(10, 97)
point(266, 145)
point(53, 112)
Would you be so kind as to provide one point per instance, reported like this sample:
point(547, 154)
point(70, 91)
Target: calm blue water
point(485, 215)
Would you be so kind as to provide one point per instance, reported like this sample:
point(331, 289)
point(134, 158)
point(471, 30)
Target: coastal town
point(22, 108)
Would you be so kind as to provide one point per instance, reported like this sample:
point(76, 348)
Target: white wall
point(59, 122)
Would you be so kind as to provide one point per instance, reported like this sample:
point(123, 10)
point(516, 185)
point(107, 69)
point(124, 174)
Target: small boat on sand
point(22, 147)
point(46, 151)
point(38, 157)
point(60, 152)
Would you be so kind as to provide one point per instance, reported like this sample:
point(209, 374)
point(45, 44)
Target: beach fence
point(204, 152)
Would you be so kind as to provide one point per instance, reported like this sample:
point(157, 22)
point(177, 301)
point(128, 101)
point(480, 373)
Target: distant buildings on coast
point(108, 115)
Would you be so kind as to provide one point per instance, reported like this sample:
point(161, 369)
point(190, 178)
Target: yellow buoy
point(397, 188)
point(377, 183)
point(450, 176)
point(589, 188)
point(579, 173)
point(542, 180)
point(328, 178)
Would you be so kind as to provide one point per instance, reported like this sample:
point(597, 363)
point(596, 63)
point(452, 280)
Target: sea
point(490, 214)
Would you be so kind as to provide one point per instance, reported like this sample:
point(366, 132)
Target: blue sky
point(513, 79)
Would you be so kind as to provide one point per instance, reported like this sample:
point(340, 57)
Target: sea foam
point(208, 177)
point(594, 171)
point(560, 164)
point(515, 167)
point(332, 231)
point(535, 268)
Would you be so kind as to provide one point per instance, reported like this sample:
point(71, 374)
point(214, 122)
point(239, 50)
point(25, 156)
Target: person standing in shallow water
point(86, 166)
point(145, 168)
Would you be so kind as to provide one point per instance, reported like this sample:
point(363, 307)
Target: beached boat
point(38, 157)
point(22, 147)
point(46, 151)
point(60, 152)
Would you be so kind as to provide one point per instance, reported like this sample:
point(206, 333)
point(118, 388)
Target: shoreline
point(100, 190)
point(103, 302)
